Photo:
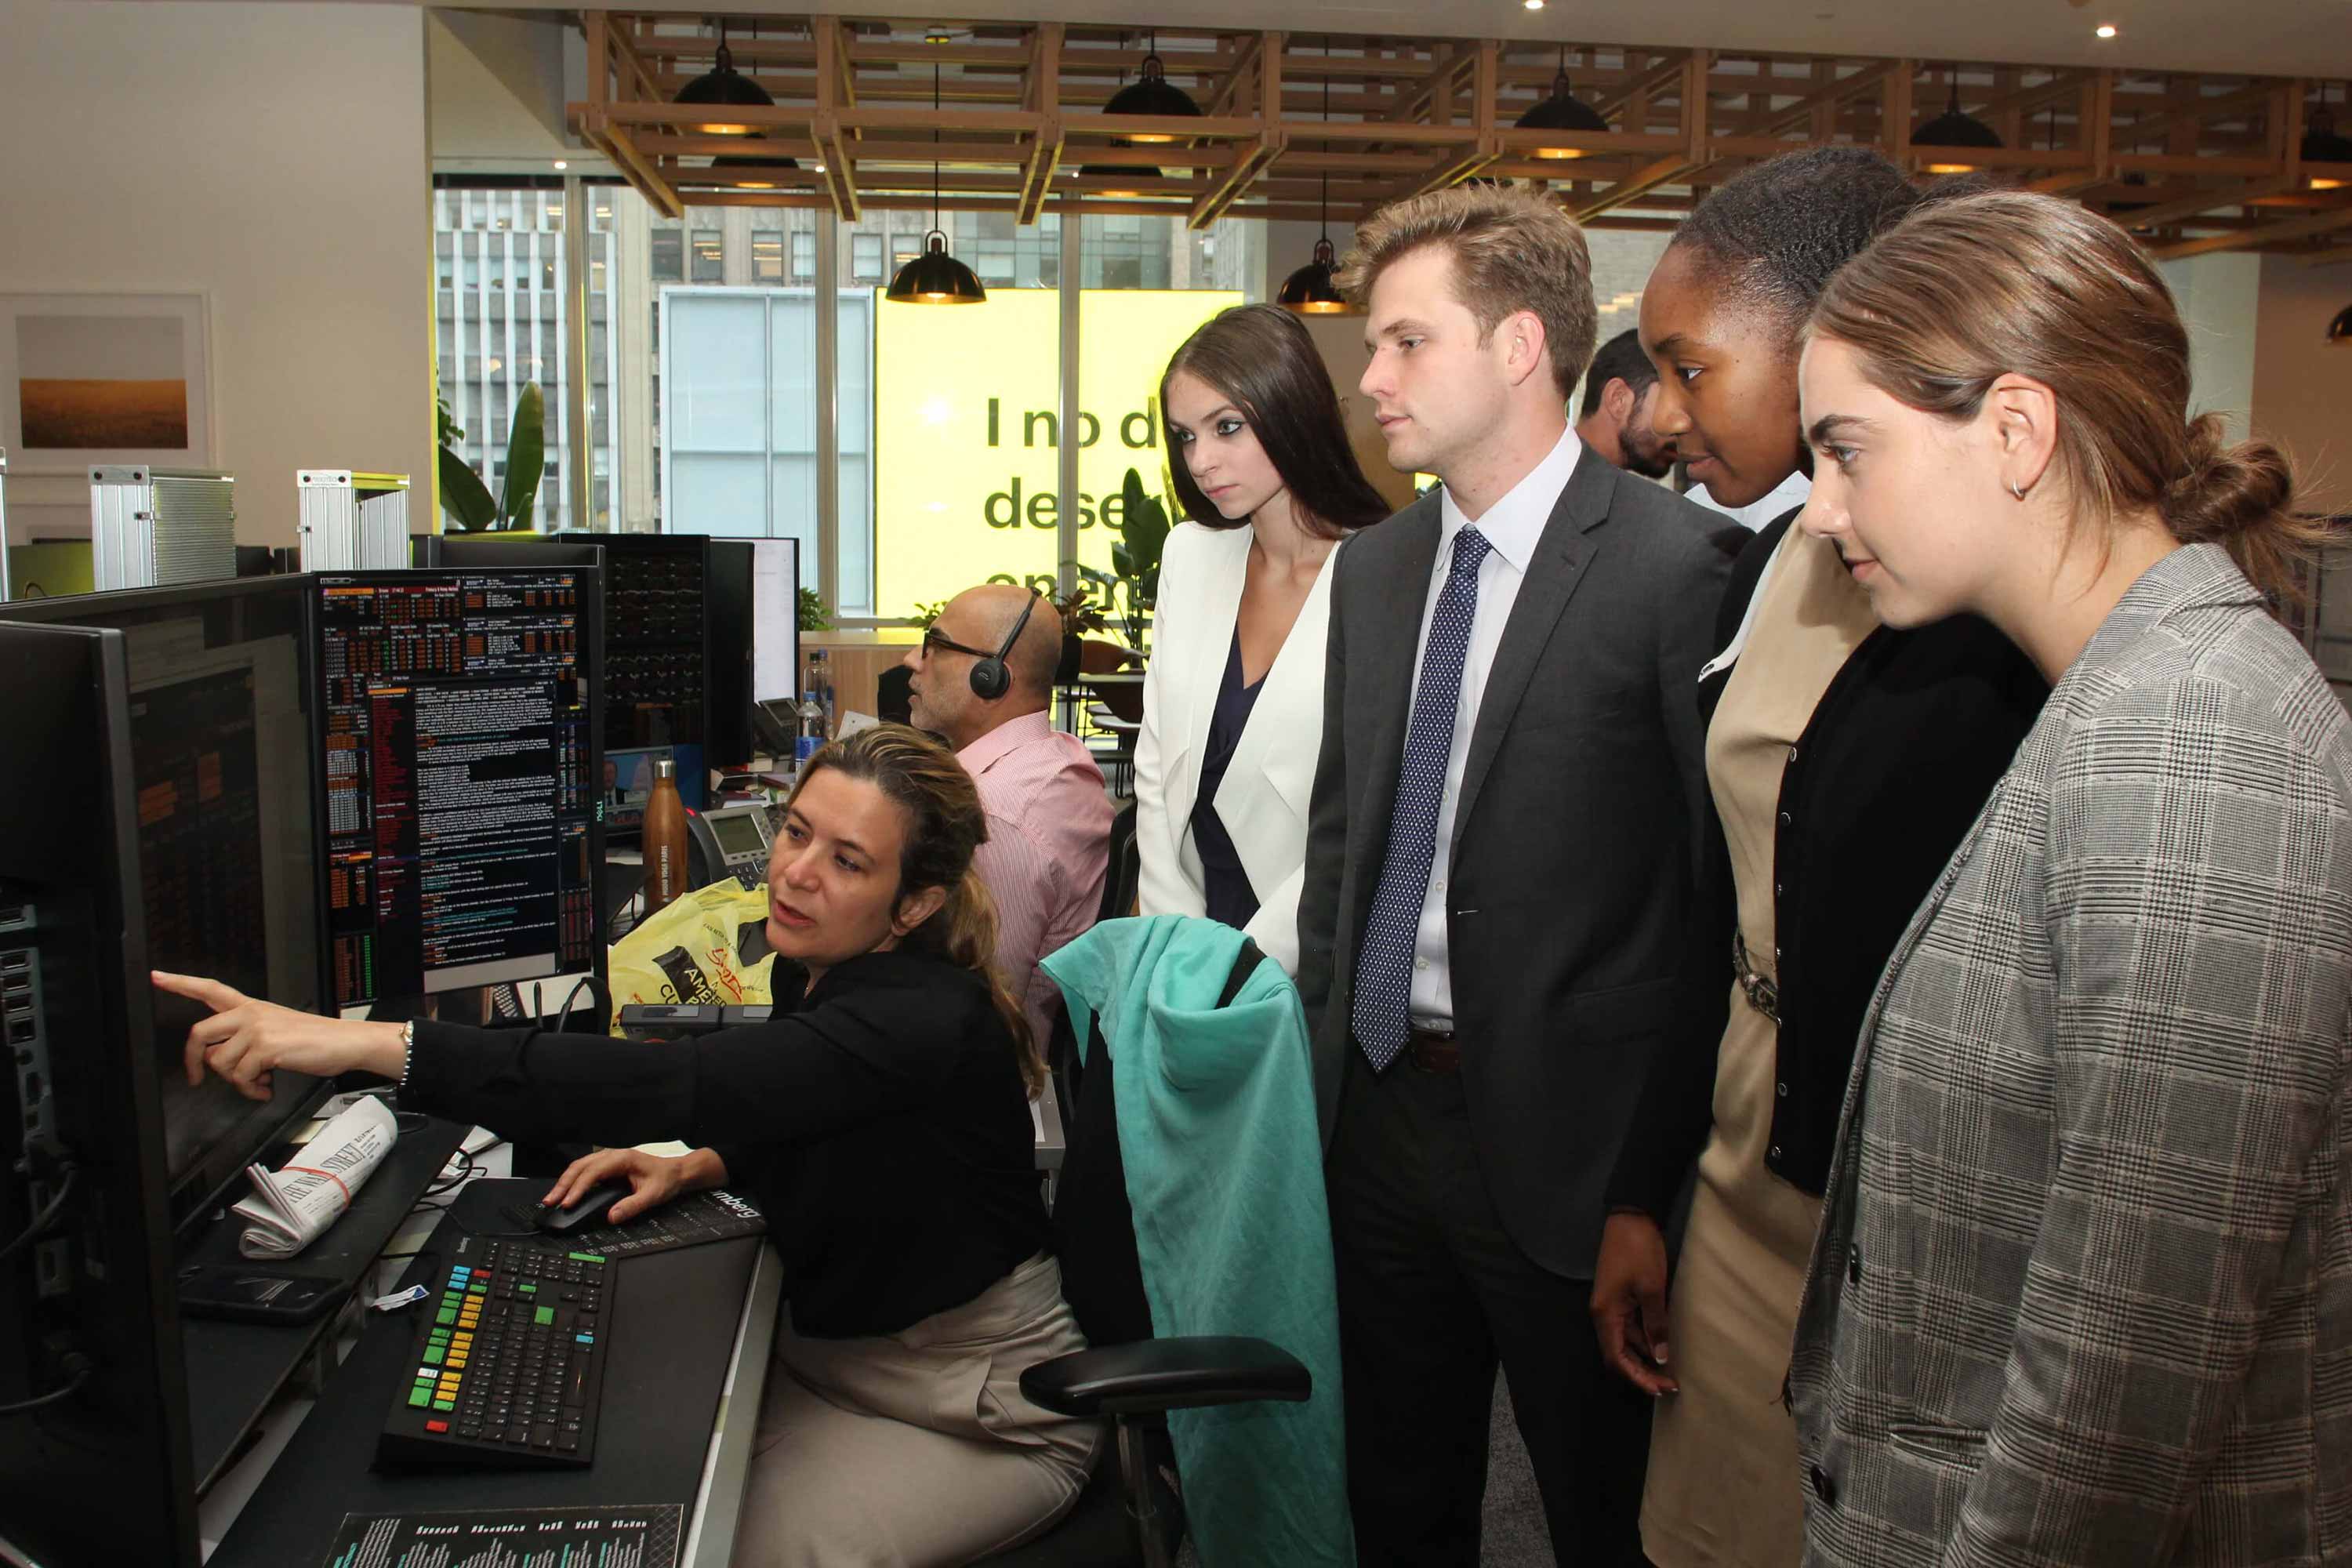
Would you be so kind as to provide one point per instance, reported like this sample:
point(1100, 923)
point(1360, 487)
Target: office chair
point(1131, 1513)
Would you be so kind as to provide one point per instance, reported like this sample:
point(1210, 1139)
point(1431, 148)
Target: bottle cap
point(664, 768)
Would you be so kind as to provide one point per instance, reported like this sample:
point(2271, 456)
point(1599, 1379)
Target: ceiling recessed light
point(2106, 29)
point(1535, 4)
point(562, 165)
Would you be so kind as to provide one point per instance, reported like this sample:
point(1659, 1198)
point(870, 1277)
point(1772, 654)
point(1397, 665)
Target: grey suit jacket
point(2083, 1291)
point(1584, 919)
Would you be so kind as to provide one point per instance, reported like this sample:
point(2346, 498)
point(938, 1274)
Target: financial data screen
point(457, 787)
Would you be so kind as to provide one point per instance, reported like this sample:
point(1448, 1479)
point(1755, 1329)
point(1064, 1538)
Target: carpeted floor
point(1513, 1533)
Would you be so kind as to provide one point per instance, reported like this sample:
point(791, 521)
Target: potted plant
point(1132, 587)
point(813, 617)
point(470, 507)
point(1080, 614)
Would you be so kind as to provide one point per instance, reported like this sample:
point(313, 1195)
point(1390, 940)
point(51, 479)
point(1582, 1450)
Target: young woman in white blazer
point(1233, 702)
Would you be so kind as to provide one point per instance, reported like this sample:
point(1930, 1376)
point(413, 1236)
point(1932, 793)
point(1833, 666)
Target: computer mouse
point(586, 1212)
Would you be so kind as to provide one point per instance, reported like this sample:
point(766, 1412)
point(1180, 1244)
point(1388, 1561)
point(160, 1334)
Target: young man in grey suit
point(1511, 896)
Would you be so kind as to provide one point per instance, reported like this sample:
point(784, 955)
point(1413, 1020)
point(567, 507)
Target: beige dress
point(1725, 1485)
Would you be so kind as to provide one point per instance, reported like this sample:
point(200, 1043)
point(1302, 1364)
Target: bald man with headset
point(984, 679)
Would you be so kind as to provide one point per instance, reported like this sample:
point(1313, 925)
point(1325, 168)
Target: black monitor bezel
point(99, 612)
point(126, 1433)
point(589, 563)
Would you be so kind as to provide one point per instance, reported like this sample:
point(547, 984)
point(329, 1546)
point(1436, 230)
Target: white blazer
point(1263, 801)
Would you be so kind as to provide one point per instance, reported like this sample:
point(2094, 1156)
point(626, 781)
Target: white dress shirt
point(1513, 526)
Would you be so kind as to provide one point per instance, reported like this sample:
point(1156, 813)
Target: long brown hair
point(1261, 357)
point(945, 824)
point(1961, 292)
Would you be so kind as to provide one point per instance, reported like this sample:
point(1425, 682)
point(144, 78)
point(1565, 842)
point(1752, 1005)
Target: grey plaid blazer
point(2083, 1290)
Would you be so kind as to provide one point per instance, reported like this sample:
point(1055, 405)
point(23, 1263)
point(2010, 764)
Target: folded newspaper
point(292, 1206)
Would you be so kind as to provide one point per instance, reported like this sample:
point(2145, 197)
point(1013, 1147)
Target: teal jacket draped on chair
point(1224, 1175)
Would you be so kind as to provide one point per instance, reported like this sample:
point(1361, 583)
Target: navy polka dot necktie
point(1383, 986)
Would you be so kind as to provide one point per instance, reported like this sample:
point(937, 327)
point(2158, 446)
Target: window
point(805, 256)
point(866, 258)
point(708, 263)
point(501, 324)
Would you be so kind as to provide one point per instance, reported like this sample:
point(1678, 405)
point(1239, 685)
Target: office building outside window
point(501, 305)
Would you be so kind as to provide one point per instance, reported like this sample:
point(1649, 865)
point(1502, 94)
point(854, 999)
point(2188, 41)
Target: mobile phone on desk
point(254, 1293)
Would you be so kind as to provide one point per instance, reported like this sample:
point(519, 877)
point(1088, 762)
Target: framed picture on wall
point(105, 378)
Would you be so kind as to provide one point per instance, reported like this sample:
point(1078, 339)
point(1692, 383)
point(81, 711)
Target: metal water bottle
point(664, 840)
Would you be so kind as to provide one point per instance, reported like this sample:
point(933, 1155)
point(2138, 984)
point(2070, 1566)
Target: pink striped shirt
point(1048, 849)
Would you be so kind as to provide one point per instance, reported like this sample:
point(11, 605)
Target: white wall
point(2302, 385)
point(2218, 295)
point(271, 155)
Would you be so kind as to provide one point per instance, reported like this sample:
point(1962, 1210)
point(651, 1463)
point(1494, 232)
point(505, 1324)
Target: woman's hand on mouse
point(244, 1039)
point(654, 1179)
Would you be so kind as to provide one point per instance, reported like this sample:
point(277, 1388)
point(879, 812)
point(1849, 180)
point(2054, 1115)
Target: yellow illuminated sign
point(967, 432)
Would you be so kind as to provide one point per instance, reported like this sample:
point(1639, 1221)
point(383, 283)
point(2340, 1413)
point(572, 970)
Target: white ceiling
point(2282, 37)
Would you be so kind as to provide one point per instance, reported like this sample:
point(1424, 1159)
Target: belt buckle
point(1762, 995)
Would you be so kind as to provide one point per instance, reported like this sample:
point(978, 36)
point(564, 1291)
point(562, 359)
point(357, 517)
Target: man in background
point(1620, 395)
point(1049, 815)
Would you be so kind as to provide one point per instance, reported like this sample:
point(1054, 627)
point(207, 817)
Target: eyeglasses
point(934, 639)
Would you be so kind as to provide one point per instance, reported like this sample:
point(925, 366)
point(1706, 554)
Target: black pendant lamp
point(1114, 171)
point(935, 278)
point(1311, 290)
point(1152, 93)
point(2322, 145)
point(1954, 129)
point(752, 165)
point(1563, 110)
point(722, 85)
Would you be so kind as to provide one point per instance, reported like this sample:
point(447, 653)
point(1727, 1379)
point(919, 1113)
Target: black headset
point(990, 678)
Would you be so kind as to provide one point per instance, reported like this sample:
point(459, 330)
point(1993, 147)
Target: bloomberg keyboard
point(510, 1360)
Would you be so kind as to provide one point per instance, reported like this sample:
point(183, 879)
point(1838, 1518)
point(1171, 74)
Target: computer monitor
point(104, 1473)
point(220, 719)
point(448, 550)
point(678, 613)
point(775, 620)
point(461, 752)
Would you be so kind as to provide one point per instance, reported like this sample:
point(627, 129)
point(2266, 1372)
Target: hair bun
point(2226, 490)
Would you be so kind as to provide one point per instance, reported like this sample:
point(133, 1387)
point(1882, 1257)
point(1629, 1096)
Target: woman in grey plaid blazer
point(2083, 1290)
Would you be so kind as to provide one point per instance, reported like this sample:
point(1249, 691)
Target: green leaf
point(464, 496)
point(813, 617)
point(526, 457)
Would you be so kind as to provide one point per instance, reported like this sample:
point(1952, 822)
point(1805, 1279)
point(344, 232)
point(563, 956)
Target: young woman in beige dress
point(1846, 761)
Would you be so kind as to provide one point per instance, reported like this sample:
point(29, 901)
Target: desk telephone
point(733, 841)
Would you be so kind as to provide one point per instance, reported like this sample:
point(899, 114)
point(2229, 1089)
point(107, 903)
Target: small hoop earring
point(2016, 490)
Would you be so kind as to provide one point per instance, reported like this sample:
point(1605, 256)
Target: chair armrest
point(1153, 1375)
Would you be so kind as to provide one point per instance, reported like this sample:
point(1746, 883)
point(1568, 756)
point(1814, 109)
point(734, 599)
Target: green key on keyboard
point(421, 1396)
point(543, 1315)
point(585, 1257)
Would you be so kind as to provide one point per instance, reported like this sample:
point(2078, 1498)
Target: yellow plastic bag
point(709, 947)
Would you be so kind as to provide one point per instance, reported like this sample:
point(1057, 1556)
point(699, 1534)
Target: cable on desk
point(595, 989)
point(42, 1221)
point(83, 1366)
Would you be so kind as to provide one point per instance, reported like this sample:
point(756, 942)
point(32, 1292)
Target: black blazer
point(1583, 939)
point(1893, 766)
point(882, 1125)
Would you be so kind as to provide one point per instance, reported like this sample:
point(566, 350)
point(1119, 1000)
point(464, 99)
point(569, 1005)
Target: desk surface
point(689, 1343)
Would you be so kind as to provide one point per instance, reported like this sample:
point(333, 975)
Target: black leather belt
point(1430, 1050)
point(1762, 995)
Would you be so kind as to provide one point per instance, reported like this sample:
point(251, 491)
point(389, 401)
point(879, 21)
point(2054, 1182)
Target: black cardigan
point(883, 1127)
point(1894, 763)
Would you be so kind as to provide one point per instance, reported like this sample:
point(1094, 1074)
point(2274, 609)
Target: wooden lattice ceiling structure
point(2191, 163)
